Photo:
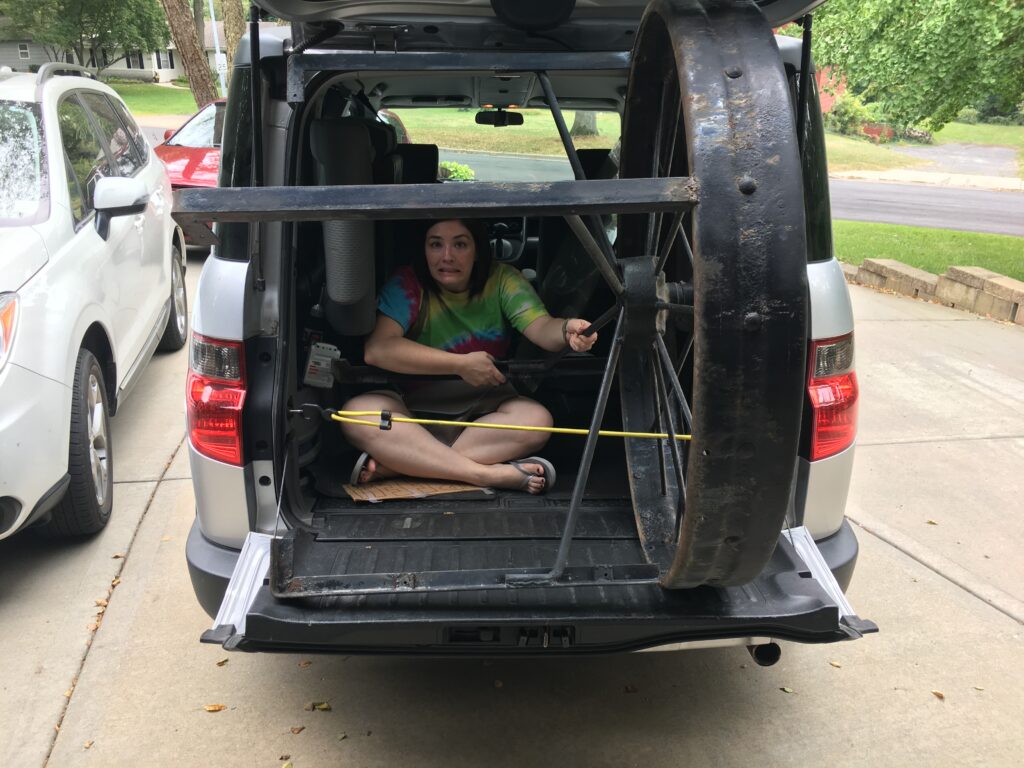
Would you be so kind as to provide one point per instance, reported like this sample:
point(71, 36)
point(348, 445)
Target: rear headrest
point(419, 163)
point(382, 135)
point(343, 149)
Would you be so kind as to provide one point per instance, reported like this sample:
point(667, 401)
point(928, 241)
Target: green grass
point(149, 99)
point(846, 153)
point(452, 129)
point(933, 250)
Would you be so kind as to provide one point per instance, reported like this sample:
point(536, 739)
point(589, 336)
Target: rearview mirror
point(499, 118)
point(168, 133)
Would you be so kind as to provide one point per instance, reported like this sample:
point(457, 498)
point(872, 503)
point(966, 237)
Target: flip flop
point(549, 475)
point(359, 467)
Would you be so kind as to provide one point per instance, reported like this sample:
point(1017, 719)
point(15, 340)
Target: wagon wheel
point(708, 98)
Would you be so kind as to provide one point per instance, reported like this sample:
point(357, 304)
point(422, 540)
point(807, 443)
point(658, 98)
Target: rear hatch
point(581, 25)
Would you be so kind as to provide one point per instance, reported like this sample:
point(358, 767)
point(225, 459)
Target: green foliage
point(847, 115)
point(452, 171)
point(923, 61)
point(81, 25)
point(968, 115)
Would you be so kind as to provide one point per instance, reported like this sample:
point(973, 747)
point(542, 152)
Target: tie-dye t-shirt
point(454, 322)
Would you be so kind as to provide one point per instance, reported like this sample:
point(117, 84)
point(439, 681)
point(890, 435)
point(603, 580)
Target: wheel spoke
point(670, 240)
point(665, 405)
point(584, 470)
point(666, 361)
point(604, 266)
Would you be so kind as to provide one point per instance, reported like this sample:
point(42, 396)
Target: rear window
point(24, 195)
point(532, 151)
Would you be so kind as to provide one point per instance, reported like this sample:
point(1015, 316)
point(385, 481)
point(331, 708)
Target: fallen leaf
point(287, 765)
point(305, 664)
point(297, 729)
point(978, 688)
point(214, 707)
point(343, 737)
point(115, 582)
point(285, 757)
point(631, 688)
point(102, 602)
point(93, 627)
point(784, 689)
point(939, 695)
point(100, 611)
point(165, 538)
point(117, 556)
point(88, 743)
point(498, 684)
point(931, 522)
point(67, 694)
point(836, 664)
point(318, 706)
point(222, 662)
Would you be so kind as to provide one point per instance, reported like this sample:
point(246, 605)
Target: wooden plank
point(195, 208)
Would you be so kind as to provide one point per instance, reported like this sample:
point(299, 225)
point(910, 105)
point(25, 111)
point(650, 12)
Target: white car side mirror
point(117, 196)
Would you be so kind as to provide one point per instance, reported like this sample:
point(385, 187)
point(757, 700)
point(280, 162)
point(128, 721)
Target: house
point(24, 55)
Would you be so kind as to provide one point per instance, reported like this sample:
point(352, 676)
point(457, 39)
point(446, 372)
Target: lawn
point(846, 153)
point(453, 129)
point(932, 250)
point(149, 99)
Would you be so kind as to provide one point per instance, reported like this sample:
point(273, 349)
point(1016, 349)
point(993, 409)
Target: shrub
point(968, 115)
point(452, 171)
point(847, 115)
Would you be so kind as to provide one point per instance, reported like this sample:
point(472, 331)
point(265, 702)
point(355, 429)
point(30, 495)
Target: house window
point(23, 51)
point(170, 59)
point(138, 55)
point(106, 59)
point(159, 60)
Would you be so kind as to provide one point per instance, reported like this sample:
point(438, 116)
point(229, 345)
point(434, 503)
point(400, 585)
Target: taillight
point(832, 388)
point(8, 324)
point(214, 396)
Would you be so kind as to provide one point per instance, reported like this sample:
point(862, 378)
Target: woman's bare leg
point(491, 446)
point(409, 449)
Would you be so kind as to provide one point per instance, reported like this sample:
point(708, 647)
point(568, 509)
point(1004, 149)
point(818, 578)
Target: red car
point(192, 153)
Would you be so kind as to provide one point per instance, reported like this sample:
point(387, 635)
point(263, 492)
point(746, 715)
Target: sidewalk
point(937, 179)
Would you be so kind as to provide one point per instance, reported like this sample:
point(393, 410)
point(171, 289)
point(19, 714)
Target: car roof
point(29, 86)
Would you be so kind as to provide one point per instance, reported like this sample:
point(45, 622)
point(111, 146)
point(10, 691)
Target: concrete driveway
point(936, 495)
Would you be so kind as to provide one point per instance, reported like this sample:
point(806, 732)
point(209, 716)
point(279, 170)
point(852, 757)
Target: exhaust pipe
point(765, 655)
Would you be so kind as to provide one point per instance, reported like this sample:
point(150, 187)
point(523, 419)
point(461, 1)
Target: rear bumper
point(783, 602)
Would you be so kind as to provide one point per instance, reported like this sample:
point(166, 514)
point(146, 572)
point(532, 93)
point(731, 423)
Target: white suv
point(91, 284)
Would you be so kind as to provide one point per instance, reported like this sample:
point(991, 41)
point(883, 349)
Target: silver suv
point(699, 241)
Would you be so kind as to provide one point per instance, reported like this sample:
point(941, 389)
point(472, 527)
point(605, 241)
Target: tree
point(199, 18)
point(234, 28)
point(88, 27)
point(922, 61)
point(584, 124)
point(190, 50)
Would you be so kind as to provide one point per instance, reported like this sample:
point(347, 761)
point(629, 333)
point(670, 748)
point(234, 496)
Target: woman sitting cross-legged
point(452, 312)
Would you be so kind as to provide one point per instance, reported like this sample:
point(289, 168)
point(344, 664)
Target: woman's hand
point(477, 369)
point(574, 329)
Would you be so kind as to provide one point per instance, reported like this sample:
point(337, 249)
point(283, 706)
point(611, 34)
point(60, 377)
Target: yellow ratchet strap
point(385, 419)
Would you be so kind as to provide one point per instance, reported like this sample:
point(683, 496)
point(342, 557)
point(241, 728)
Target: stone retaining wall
point(971, 288)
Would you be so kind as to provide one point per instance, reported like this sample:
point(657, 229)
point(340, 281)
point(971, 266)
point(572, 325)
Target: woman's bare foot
point(373, 471)
point(527, 477)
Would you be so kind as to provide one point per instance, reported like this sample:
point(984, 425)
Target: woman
point(450, 313)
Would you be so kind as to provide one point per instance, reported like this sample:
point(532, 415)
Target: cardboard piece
point(407, 488)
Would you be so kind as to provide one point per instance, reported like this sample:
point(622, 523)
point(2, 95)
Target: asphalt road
point(913, 204)
point(935, 497)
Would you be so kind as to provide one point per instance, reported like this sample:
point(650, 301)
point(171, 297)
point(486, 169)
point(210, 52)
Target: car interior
point(344, 141)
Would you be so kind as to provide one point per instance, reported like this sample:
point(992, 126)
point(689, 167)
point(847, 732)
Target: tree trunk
point(190, 51)
point(584, 124)
point(200, 21)
point(234, 28)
